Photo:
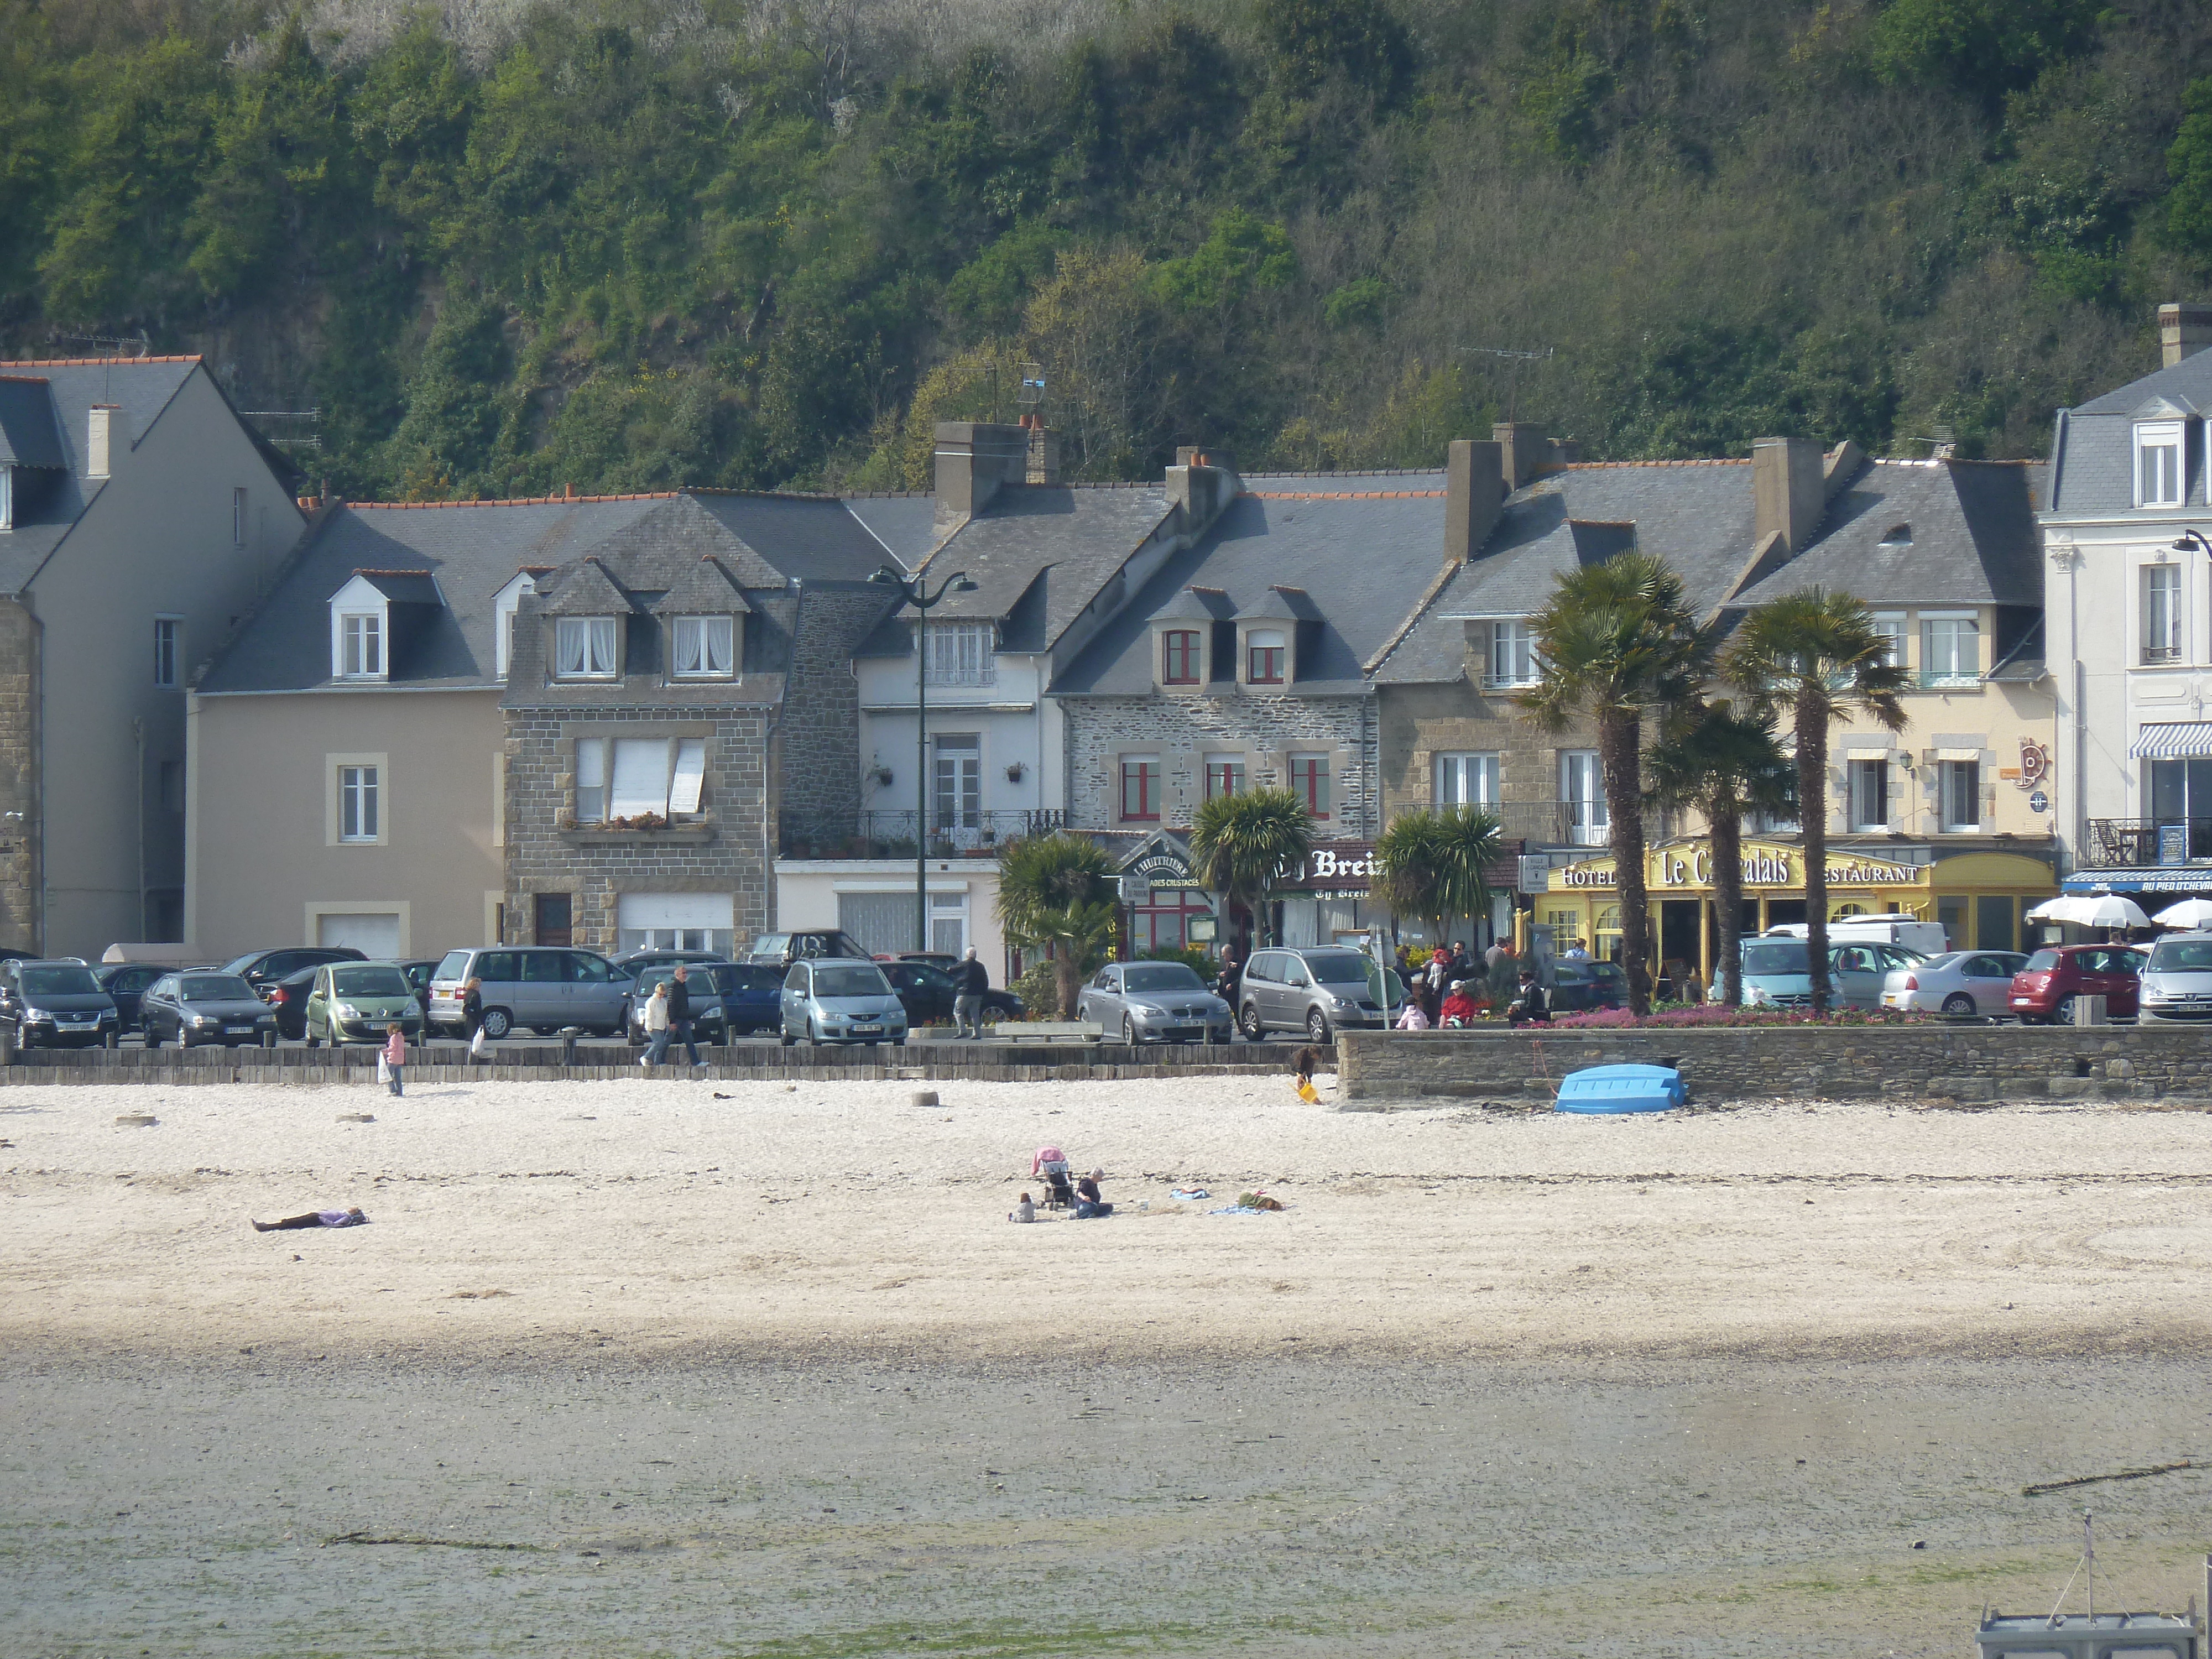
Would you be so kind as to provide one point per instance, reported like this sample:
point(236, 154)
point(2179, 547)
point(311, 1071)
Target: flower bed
point(1716, 1014)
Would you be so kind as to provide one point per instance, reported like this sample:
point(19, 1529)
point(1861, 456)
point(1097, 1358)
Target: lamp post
point(2191, 541)
point(914, 591)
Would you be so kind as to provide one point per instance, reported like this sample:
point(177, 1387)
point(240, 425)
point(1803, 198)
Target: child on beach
point(395, 1056)
point(1024, 1210)
point(1304, 1065)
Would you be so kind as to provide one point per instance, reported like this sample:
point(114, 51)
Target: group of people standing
point(1452, 986)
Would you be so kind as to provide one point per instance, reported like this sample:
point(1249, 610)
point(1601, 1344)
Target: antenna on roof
point(109, 345)
point(1941, 440)
point(1516, 358)
point(293, 428)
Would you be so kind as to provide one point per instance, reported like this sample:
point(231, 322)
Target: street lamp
point(2192, 541)
point(914, 591)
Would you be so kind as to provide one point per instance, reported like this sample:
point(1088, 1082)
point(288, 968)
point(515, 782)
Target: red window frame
point(1179, 657)
point(1214, 778)
point(1264, 665)
point(1310, 779)
point(1145, 774)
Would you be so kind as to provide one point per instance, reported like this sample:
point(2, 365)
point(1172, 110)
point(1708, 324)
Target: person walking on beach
point(970, 979)
point(656, 1025)
point(395, 1057)
point(679, 1018)
point(472, 1016)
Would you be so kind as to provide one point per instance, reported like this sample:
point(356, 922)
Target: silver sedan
point(1154, 1002)
point(1964, 984)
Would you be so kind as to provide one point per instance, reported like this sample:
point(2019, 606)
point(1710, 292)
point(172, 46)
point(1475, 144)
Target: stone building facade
point(1258, 735)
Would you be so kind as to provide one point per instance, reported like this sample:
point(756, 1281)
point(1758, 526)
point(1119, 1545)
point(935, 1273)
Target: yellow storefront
point(1978, 897)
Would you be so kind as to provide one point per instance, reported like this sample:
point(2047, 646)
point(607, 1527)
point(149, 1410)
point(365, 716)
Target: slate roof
point(810, 538)
point(1363, 557)
point(906, 525)
point(2188, 383)
point(1064, 541)
point(30, 434)
point(708, 589)
point(403, 586)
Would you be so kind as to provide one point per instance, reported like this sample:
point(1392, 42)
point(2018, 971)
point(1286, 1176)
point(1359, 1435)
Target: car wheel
point(1249, 1022)
point(497, 1023)
point(783, 1033)
point(184, 1038)
point(1959, 1005)
point(1129, 1029)
point(2062, 1013)
point(313, 1040)
point(1316, 1026)
point(813, 1036)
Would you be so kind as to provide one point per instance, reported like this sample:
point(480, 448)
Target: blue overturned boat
point(1608, 1090)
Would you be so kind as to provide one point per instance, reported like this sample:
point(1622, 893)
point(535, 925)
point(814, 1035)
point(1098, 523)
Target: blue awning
point(2172, 879)
point(2177, 740)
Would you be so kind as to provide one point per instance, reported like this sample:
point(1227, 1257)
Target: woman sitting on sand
point(1089, 1205)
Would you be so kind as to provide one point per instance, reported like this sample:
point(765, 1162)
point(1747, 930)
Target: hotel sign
point(1764, 866)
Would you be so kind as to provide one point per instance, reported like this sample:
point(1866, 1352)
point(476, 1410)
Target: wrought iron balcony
point(892, 835)
point(2126, 844)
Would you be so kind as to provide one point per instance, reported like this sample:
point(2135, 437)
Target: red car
point(2043, 993)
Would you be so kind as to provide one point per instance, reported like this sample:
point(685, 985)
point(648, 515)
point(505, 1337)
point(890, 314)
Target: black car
point(635, 962)
point(781, 950)
point(57, 1004)
point(927, 994)
point(287, 1000)
point(202, 1006)
point(751, 994)
point(1582, 985)
point(263, 968)
point(124, 983)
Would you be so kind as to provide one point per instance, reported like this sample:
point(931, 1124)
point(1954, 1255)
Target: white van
point(1898, 927)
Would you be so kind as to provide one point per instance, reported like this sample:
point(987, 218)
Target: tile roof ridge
point(885, 494)
point(757, 494)
point(1690, 460)
point(1353, 472)
point(25, 379)
point(1346, 494)
point(379, 570)
point(93, 363)
point(517, 501)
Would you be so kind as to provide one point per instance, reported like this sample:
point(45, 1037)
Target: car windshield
point(218, 988)
point(1161, 976)
point(2182, 955)
point(730, 981)
point(60, 982)
point(852, 982)
point(369, 982)
point(2042, 962)
point(1776, 955)
point(1338, 967)
point(1606, 973)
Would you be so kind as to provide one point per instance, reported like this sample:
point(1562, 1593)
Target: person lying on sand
point(1089, 1205)
point(313, 1219)
point(1024, 1210)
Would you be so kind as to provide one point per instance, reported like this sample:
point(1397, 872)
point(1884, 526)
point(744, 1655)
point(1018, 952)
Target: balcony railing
point(986, 675)
point(1544, 823)
point(892, 835)
point(2122, 843)
point(1948, 679)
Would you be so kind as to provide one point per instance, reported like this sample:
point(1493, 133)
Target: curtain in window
point(591, 780)
point(584, 645)
point(705, 645)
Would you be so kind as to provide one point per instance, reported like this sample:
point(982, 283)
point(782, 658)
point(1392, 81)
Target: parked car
point(359, 1002)
point(2043, 990)
point(1777, 972)
point(945, 960)
point(287, 1000)
point(200, 1005)
point(1963, 984)
point(418, 970)
point(56, 1004)
point(751, 995)
point(632, 962)
point(709, 1023)
point(2175, 988)
point(1578, 987)
point(1155, 1002)
point(784, 949)
point(927, 991)
point(126, 982)
point(1315, 990)
point(839, 999)
point(539, 987)
point(263, 968)
point(1892, 927)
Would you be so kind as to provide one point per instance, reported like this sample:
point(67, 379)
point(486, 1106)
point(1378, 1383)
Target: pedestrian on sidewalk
point(970, 979)
point(679, 1017)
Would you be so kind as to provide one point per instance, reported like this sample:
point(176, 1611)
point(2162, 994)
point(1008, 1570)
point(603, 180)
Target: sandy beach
point(771, 1219)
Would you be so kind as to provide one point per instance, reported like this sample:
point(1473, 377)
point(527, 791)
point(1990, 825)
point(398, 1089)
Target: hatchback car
point(192, 1009)
point(1964, 984)
point(58, 1005)
point(1154, 1002)
point(927, 991)
point(1578, 987)
point(751, 995)
point(832, 1000)
point(708, 1023)
point(359, 1002)
point(2043, 990)
point(539, 987)
point(1314, 991)
point(262, 969)
point(1777, 972)
point(287, 1000)
point(784, 949)
point(2177, 982)
point(126, 982)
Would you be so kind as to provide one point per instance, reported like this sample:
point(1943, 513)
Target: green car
point(357, 1002)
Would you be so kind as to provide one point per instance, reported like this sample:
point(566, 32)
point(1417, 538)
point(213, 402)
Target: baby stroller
point(1059, 1190)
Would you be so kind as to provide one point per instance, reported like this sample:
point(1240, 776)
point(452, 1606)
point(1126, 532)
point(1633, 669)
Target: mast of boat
point(2088, 1560)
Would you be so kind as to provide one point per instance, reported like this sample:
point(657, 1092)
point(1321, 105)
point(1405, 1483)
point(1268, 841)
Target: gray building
point(140, 517)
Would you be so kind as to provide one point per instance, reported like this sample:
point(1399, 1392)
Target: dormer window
point(504, 605)
point(1512, 655)
point(1266, 657)
point(1181, 656)
point(706, 647)
point(360, 646)
point(584, 647)
point(1897, 535)
point(7, 498)
point(960, 653)
point(2158, 463)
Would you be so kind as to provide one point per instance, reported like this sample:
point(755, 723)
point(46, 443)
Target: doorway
point(1680, 923)
point(553, 920)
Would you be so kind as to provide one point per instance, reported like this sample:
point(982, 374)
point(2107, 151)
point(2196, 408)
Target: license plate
point(866, 1028)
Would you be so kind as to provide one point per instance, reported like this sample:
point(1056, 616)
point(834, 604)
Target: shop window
point(2158, 463)
point(1224, 775)
point(1582, 795)
point(1180, 657)
point(1869, 787)
point(1267, 654)
point(1467, 780)
point(1140, 788)
point(1961, 782)
point(2161, 613)
point(1309, 782)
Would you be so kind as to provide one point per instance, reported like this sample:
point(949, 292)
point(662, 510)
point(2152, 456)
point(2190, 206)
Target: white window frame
point(1465, 779)
point(1952, 677)
point(366, 629)
point(1592, 827)
point(2161, 598)
point(1891, 625)
point(948, 912)
point(168, 648)
point(631, 760)
point(504, 606)
point(2171, 482)
point(955, 780)
point(1512, 655)
point(596, 640)
point(1946, 775)
point(591, 780)
point(361, 803)
point(692, 647)
point(7, 498)
point(959, 653)
point(1856, 797)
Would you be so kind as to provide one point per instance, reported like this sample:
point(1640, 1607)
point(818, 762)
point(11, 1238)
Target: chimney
point(1527, 448)
point(106, 433)
point(1474, 493)
point(2184, 329)
point(1788, 492)
point(1044, 451)
point(1202, 481)
point(974, 457)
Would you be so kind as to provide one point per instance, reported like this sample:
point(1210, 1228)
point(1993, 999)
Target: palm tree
point(1058, 892)
point(1617, 639)
point(1244, 842)
point(1819, 656)
point(1435, 864)
point(1724, 764)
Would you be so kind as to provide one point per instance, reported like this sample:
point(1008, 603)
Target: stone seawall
point(1920, 1062)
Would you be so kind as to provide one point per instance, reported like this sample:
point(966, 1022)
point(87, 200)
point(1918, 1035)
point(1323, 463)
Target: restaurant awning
point(2173, 740)
point(2172, 879)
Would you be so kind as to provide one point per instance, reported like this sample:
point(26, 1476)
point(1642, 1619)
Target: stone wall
point(1968, 1063)
point(818, 762)
point(19, 779)
point(1184, 730)
point(1417, 723)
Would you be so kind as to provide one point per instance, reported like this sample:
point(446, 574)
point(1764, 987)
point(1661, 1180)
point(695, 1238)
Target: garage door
point(883, 922)
point(675, 921)
point(373, 933)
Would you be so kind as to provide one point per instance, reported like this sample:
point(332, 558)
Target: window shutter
point(690, 774)
point(640, 777)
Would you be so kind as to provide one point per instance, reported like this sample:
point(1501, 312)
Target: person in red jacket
point(1459, 1008)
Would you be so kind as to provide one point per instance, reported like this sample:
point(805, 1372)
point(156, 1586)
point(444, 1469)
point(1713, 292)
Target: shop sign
point(1764, 866)
point(1334, 870)
point(1162, 867)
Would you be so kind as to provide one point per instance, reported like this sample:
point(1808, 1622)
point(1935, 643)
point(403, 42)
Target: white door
point(674, 921)
point(371, 933)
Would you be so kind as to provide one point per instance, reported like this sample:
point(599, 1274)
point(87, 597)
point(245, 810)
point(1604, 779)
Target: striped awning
point(2179, 740)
